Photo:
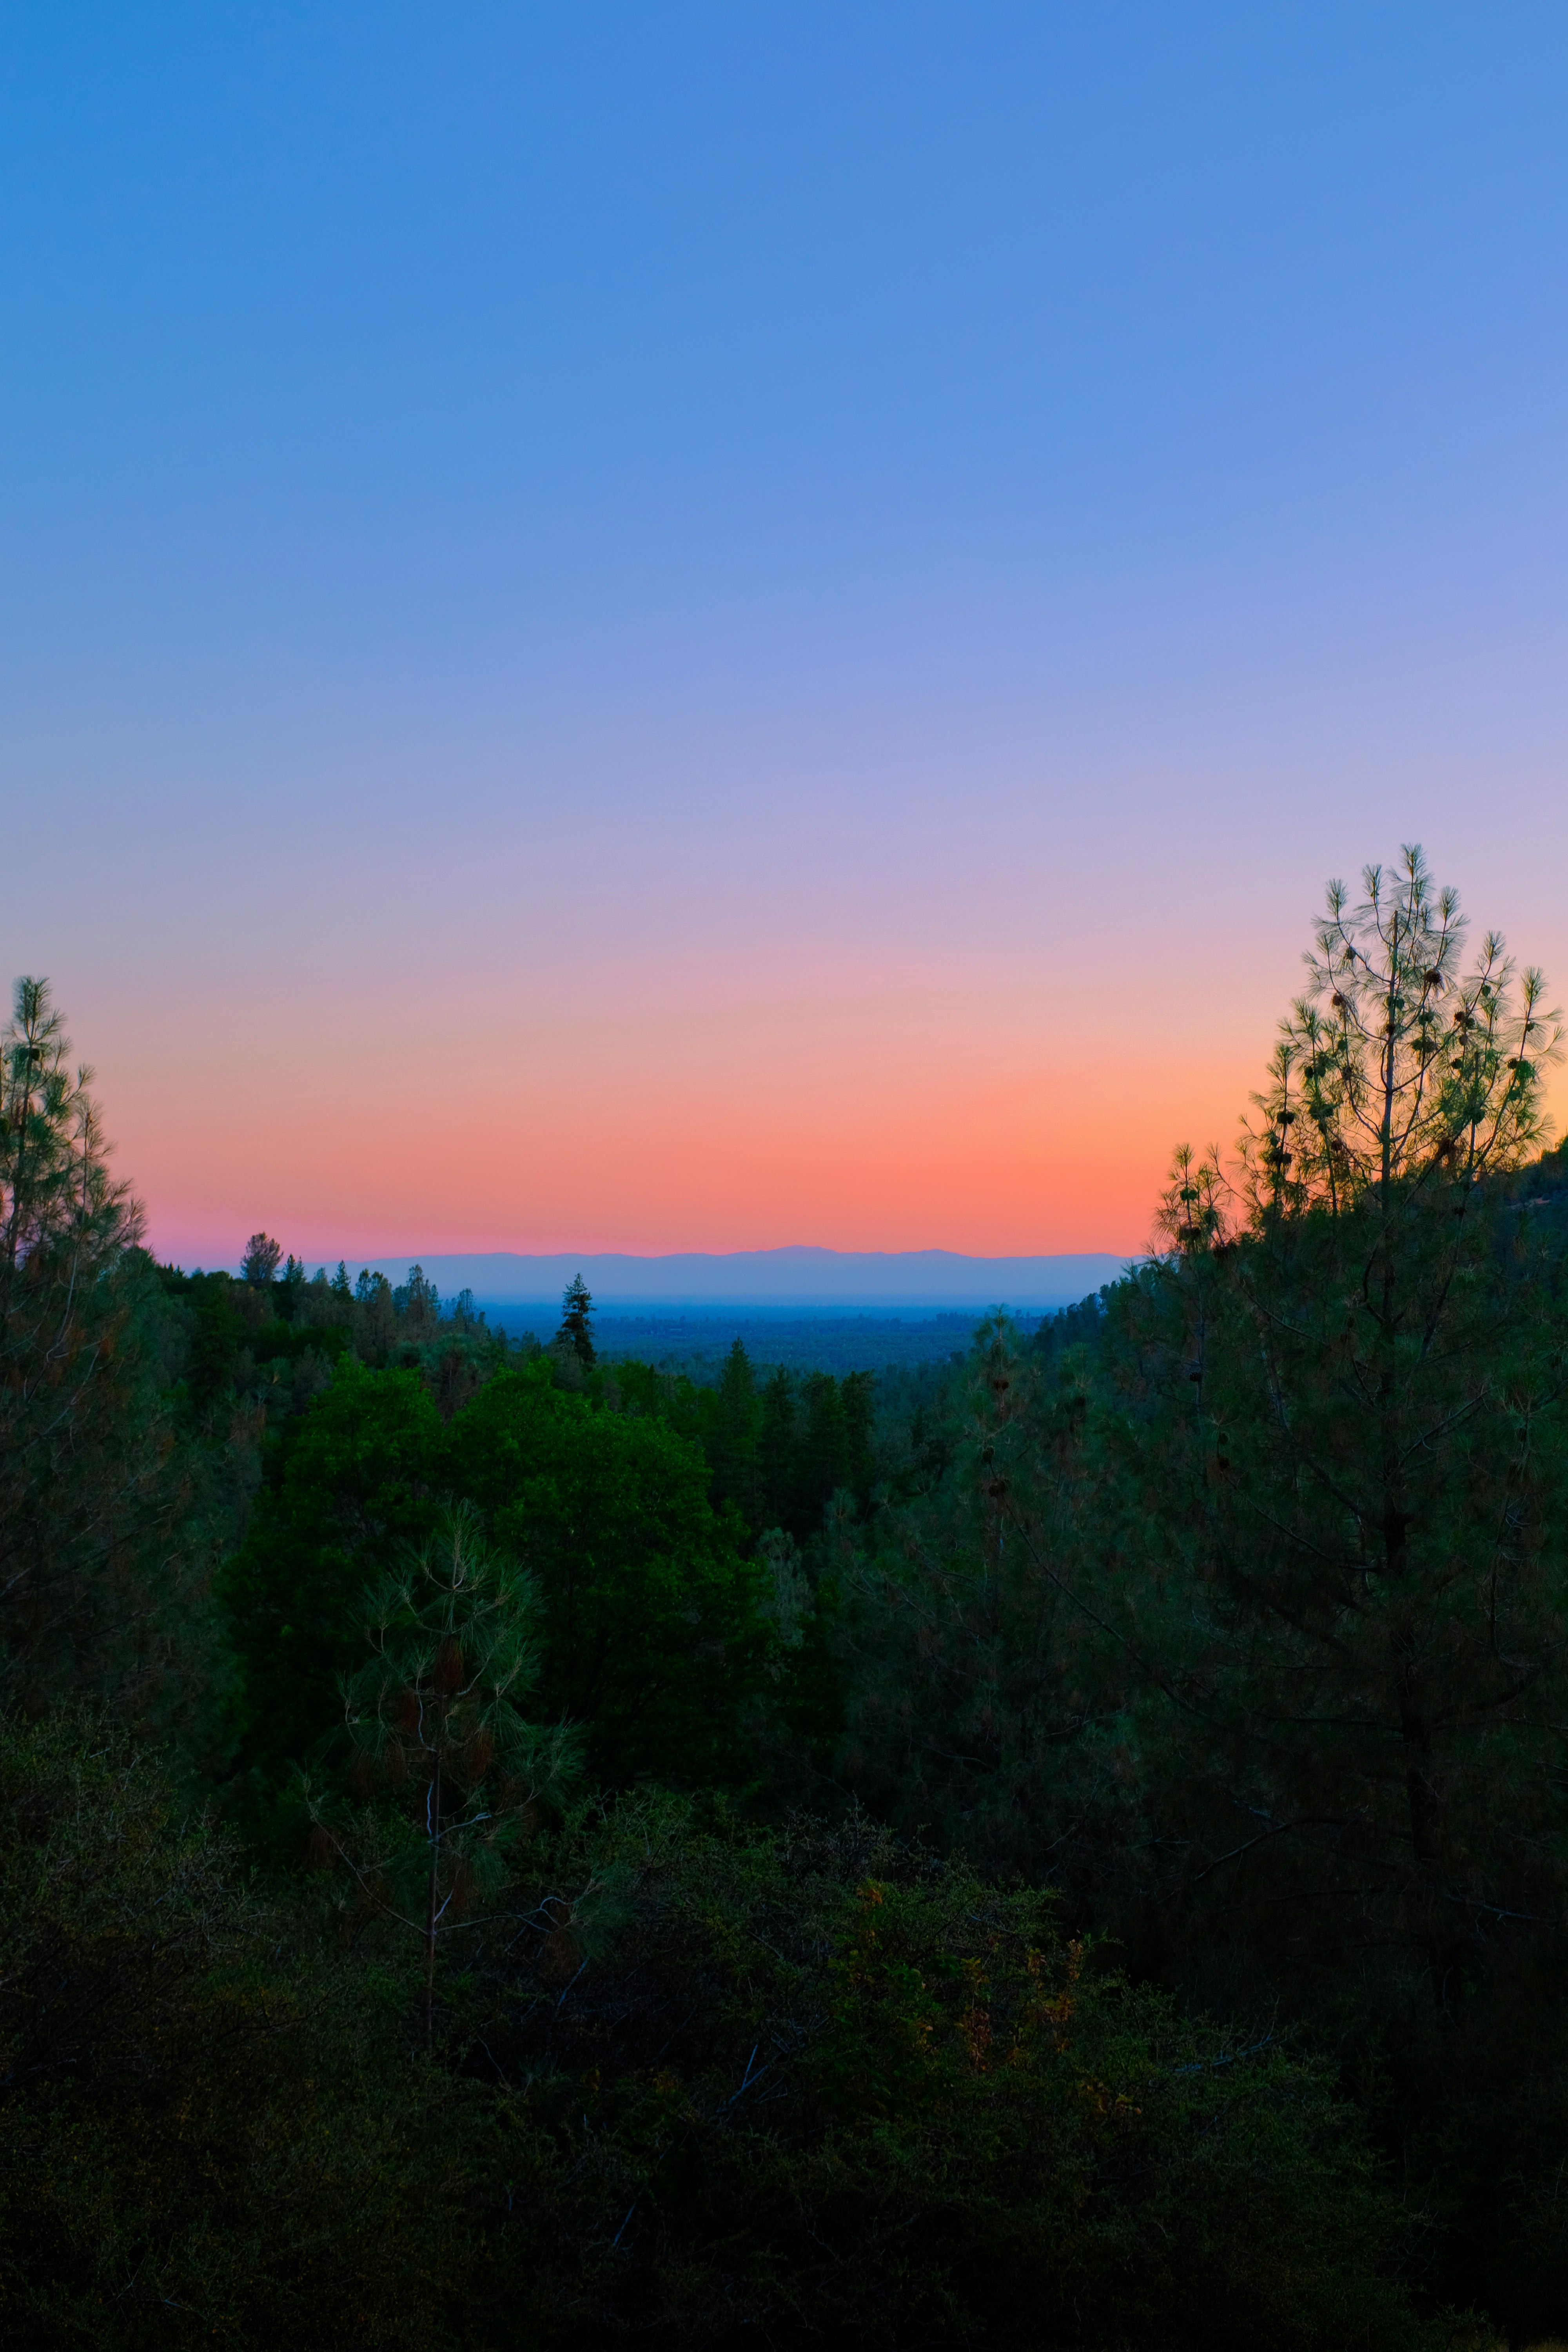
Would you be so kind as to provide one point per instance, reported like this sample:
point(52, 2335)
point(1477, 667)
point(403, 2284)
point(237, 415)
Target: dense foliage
point(499, 1845)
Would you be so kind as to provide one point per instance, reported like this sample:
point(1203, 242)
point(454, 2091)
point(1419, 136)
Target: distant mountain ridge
point(792, 1278)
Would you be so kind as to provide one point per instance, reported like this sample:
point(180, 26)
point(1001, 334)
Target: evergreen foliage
point(262, 1258)
point(577, 1332)
point(731, 1795)
point(347, 1489)
point(91, 1494)
point(784, 2088)
point(433, 1724)
point(210, 2130)
point(650, 1627)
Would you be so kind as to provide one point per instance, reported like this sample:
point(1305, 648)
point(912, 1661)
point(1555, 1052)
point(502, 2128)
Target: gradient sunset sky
point(658, 627)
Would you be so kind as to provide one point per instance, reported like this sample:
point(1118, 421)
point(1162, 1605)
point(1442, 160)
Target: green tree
point(1239, 1609)
point(289, 1291)
point(434, 1722)
point(1341, 1423)
point(375, 1316)
point(262, 1258)
point(210, 2131)
point(417, 1305)
point(776, 1449)
point(810, 2087)
point(649, 1624)
point(729, 1437)
point(351, 1482)
point(577, 1332)
point(92, 1485)
point(987, 1708)
point(465, 1315)
point(822, 1462)
point(1396, 1074)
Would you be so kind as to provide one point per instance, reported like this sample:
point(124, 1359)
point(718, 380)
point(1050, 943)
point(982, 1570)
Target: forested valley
point(500, 1847)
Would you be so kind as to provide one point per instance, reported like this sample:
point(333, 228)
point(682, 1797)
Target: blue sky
point(837, 542)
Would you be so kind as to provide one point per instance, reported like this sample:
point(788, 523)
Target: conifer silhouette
point(577, 1332)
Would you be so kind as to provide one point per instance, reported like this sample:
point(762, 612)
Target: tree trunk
point(430, 1903)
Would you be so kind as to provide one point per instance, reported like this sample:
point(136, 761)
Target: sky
point(702, 627)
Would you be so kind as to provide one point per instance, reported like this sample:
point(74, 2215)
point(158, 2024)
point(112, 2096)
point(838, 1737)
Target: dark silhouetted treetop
point(416, 1303)
point(1398, 1062)
point(56, 1193)
point(261, 1261)
point(1348, 1379)
point(576, 1330)
point(87, 1477)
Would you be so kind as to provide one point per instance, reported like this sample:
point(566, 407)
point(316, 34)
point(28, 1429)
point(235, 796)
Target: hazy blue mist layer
point(789, 1280)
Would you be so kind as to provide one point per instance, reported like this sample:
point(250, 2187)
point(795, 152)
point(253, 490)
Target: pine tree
point(776, 1449)
point(419, 1304)
point(731, 1440)
point(434, 1726)
point(858, 1391)
point(55, 1188)
point(86, 1475)
point(577, 1331)
point(377, 1317)
point(1347, 1375)
point(261, 1260)
point(977, 1714)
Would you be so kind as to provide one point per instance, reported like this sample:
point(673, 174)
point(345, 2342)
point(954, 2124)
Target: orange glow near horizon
point(855, 1113)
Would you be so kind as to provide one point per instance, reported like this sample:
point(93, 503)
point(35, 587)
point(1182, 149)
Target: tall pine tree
point(577, 1332)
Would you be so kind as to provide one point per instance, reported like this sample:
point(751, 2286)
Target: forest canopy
point(1068, 1846)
